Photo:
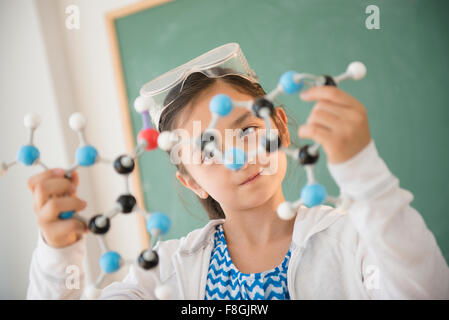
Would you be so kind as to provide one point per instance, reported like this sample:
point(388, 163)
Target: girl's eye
point(207, 157)
point(248, 130)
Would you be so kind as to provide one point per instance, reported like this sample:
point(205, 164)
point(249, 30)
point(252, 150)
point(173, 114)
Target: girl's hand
point(338, 122)
point(52, 195)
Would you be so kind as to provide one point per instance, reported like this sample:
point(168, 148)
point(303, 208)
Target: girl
point(380, 249)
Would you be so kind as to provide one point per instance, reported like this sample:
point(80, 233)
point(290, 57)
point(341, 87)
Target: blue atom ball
point(234, 158)
point(221, 104)
point(86, 155)
point(110, 262)
point(66, 215)
point(287, 83)
point(159, 221)
point(313, 195)
point(27, 155)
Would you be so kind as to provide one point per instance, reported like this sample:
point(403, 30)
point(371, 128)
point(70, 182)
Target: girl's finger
point(325, 118)
point(54, 206)
point(334, 115)
point(315, 132)
point(47, 174)
point(51, 187)
point(332, 94)
point(74, 178)
point(63, 230)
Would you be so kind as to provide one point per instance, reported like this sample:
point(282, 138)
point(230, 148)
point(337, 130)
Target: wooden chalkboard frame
point(111, 17)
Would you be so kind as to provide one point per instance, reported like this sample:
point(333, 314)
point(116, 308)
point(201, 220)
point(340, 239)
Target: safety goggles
point(225, 60)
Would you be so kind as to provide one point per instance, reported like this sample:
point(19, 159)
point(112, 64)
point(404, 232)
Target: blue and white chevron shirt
point(226, 282)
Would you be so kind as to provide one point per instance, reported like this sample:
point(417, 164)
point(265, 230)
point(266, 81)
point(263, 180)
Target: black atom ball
point(261, 103)
point(271, 145)
point(126, 202)
point(99, 229)
point(121, 165)
point(305, 157)
point(146, 263)
point(329, 81)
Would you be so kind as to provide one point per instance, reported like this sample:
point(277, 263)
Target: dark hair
point(193, 85)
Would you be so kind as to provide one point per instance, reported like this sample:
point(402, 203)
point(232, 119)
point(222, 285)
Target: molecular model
point(157, 223)
point(313, 193)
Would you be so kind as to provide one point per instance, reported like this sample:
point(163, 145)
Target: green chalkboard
point(404, 91)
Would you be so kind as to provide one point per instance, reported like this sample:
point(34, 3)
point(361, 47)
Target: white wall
point(53, 71)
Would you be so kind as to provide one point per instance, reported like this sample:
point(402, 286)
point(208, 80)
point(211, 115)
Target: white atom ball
point(91, 292)
point(357, 70)
point(165, 140)
point(32, 121)
point(142, 104)
point(163, 292)
point(77, 121)
point(126, 161)
point(285, 211)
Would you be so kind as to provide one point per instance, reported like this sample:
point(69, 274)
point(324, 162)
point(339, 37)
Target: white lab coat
point(380, 249)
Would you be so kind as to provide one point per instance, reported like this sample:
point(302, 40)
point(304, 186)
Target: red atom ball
point(150, 136)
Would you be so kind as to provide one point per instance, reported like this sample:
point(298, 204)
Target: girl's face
point(226, 186)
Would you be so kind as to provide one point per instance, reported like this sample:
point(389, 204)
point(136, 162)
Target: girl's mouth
point(251, 179)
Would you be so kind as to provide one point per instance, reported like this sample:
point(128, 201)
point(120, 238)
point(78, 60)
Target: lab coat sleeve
point(398, 255)
point(56, 273)
point(139, 284)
